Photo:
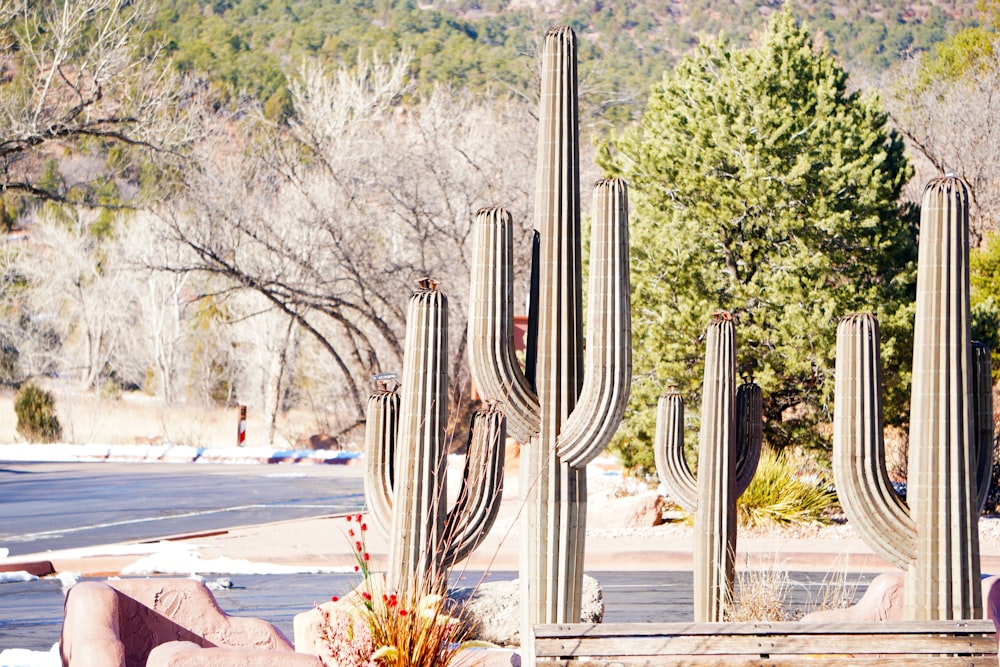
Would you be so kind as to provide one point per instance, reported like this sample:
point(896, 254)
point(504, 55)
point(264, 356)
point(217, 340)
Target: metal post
point(241, 431)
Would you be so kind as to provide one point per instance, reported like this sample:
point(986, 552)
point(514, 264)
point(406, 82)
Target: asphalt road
point(46, 506)
point(66, 505)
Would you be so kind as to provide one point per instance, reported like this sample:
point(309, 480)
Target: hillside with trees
point(247, 47)
point(227, 202)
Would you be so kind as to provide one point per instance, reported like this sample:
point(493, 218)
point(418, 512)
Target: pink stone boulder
point(883, 601)
point(188, 654)
point(120, 623)
point(641, 510)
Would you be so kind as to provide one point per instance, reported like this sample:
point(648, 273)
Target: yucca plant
point(778, 494)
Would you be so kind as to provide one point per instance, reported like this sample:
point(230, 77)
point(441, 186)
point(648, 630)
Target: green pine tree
point(984, 266)
point(761, 185)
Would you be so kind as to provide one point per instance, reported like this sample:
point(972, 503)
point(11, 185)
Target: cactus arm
point(668, 451)
point(863, 486)
point(608, 355)
point(982, 391)
point(749, 433)
point(478, 501)
point(492, 361)
point(380, 446)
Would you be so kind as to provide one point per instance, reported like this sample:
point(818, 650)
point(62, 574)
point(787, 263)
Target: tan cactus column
point(555, 507)
point(715, 517)
point(406, 466)
point(381, 426)
point(567, 407)
point(418, 509)
point(935, 538)
point(729, 449)
point(941, 487)
point(668, 444)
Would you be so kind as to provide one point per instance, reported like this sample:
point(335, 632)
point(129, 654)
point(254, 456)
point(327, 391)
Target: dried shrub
point(838, 591)
point(760, 596)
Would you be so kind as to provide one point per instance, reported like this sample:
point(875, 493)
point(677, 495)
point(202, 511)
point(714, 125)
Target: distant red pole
point(241, 434)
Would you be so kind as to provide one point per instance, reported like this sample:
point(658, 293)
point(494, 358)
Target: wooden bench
point(938, 643)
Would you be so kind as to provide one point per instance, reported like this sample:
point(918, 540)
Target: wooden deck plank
point(978, 626)
point(796, 661)
point(776, 645)
point(944, 643)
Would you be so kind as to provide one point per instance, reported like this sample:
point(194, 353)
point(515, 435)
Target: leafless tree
point(162, 334)
point(72, 75)
point(953, 125)
point(333, 218)
point(79, 287)
point(29, 339)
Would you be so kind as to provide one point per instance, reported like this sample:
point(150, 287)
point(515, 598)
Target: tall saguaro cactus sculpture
point(406, 474)
point(935, 537)
point(730, 441)
point(570, 402)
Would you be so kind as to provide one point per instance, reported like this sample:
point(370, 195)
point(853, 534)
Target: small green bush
point(36, 415)
point(781, 494)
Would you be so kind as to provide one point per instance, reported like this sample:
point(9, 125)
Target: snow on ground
point(174, 558)
point(16, 577)
point(19, 657)
point(168, 557)
point(171, 558)
point(168, 453)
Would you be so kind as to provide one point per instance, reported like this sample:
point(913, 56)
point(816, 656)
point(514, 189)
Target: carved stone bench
point(938, 643)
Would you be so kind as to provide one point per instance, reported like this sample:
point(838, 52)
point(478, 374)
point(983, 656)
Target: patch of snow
point(180, 560)
point(16, 577)
point(68, 579)
point(20, 657)
point(4, 552)
point(169, 453)
point(220, 584)
point(110, 550)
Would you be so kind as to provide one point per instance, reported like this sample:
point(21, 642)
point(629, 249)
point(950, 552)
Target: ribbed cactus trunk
point(566, 408)
point(406, 464)
point(730, 442)
point(935, 537)
point(420, 465)
point(715, 517)
point(941, 489)
point(555, 512)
